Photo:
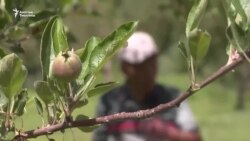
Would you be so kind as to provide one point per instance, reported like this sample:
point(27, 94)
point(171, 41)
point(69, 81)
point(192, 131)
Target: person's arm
point(159, 128)
point(176, 134)
point(181, 128)
point(185, 119)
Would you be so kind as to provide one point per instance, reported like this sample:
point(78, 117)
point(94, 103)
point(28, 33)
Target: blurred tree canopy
point(164, 19)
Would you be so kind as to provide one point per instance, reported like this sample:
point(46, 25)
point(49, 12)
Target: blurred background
point(222, 109)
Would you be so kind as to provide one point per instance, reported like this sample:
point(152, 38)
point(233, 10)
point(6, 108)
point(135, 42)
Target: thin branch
point(133, 115)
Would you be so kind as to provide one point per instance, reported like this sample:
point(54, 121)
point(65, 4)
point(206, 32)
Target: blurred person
point(140, 91)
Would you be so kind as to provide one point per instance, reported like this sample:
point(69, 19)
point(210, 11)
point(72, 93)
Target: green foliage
point(110, 45)
point(20, 103)
point(195, 15)
point(40, 17)
point(39, 106)
point(87, 128)
point(7, 136)
point(183, 50)
point(3, 100)
point(103, 51)
point(12, 75)
point(239, 9)
point(53, 41)
point(102, 88)
point(198, 42)
point(66, 5)
point(237, 37)
point(96, 52)
point(51, 92)
point(84, 54)
point(237, 32)
point(5, 18)
point(58, 36)
point(2, 53)
point(60, 99)
point(44, 91)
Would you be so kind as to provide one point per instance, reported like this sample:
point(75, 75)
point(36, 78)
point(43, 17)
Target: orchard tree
point(68, 75)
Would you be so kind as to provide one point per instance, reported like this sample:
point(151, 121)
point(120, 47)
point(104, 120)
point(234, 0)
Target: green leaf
point(195, 15)
point(46, 47)
point(12, 74)
point(66, 5)
point(10, 4)
point(3, 99)
point(58, 36)
point(81, 117)
point(240, 39)
point(16, 33)
point(86, 129)
point(39, 106)
point(84, 54)
point(53, 41)
point(110, 45)
point(103, 51)
point(82, 103)
point(2, 53)
point(20, 103)
point(89, 129)
point(57, 87)
point(6, 134)
point(246, 6)
point(5, 18)
point(239, 36)
point(9, 136)
point(229, 34)
point(101, 88)
point(239, 9)
point(44, 91)
point(2, 131)
point(2, 118)
point(88, 81)
point(183, 50)
point(40, 18)
point(199, 42)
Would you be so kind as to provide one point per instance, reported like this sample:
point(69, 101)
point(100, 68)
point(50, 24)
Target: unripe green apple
point(66, 66)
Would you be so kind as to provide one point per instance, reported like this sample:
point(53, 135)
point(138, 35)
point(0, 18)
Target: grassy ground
point(212, 106)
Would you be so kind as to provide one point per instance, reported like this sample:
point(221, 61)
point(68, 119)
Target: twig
point(134, 115)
